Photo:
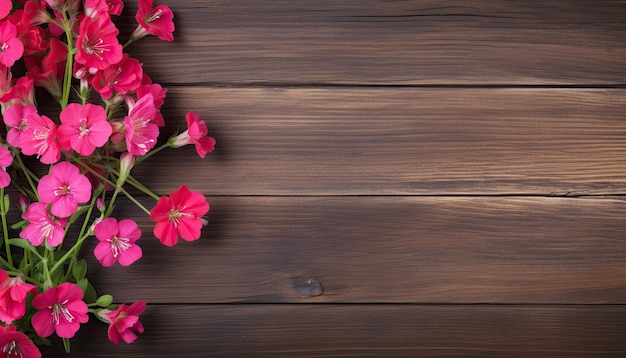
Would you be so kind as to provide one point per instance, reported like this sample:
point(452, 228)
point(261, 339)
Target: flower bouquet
point(63, 169)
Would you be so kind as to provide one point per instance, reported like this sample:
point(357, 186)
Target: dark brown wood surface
point(392, 178)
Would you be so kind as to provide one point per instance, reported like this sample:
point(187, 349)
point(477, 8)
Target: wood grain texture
point(387, 249)
point(398, 141)
point(390, 42)
point(368, 331)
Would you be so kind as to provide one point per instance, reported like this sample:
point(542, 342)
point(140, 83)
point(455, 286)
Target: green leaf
point(104, 300)
point(6, 203)
point(79, 270)
point(41, 341)
point(83, 284)
point(90, 294)
point(24, 244)
point(66, 345)
point(19, 224)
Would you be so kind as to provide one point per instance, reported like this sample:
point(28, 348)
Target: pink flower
point(40, 137)
point(195, 134)
point(47, 72)
point(64, 188)
point(117, 242)
point(59, 309)
point(6, 159)
point(5, 8)
point(42, 226)
point(94, 8)
point(15, 344)
point(125, 322)
point(11, 48)
point(179, 215)
point(97, 43)
point(158, 94)
point(21, 92)
point(122, 77)
point(83, 128)
point(13, 294)
point(139, 131)
point(15, 117)
point(156, 21)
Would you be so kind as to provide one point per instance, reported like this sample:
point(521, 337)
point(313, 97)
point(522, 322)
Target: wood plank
point(278, 141)
point(390, 42)
point(368, 331)
point(386, 249)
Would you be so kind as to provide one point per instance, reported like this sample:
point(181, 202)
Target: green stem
point(29, 175)
point(46, 272)
point(25, 277)
point(5, 228)
point(89, 169)
point(70, 252)
point(151, 153)
point(127, 194)
point(67, 80)
point(6, 263)
point(135, 183)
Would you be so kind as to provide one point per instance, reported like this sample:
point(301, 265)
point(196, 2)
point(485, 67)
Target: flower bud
point(127, 161)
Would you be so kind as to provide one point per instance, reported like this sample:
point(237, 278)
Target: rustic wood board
point(285, 141)
point(387, 249)
point(341, 330)
point(381, 42)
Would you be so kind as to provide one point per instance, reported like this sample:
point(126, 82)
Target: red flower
point(125, 321)
point(156, 21)
point(13, 294)
point(14, 344)
point(123, 77)
point(196, 134)
point(179, 215)
point(59, 309)
point(97, 45)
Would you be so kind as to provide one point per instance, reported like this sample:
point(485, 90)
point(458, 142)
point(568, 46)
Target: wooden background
point(392, 178)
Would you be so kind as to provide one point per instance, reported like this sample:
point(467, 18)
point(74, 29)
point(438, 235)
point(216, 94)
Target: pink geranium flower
point(157, 20)
point(6, 159)
point(83, 128)
point(97, 45)
point(158, 94)
point(40, 138)
point(195, 134)
point(15, 344)
point(47, 72)
point(140, 133)
point(13, 294)
point(122, 77)
point(94, 8)
point(42, 227)
point(64, 188)
point(21, 92)
point(125, 322)
point(16, 118)
point(179, 215)
point(5, 8)
point(11, 48)
point(59, 309)
point(117, 242)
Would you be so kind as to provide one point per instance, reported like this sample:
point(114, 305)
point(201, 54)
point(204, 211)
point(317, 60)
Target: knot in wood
point(309, 286)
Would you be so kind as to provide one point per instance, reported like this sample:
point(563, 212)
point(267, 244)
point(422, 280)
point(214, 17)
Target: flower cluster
point(66, 168)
